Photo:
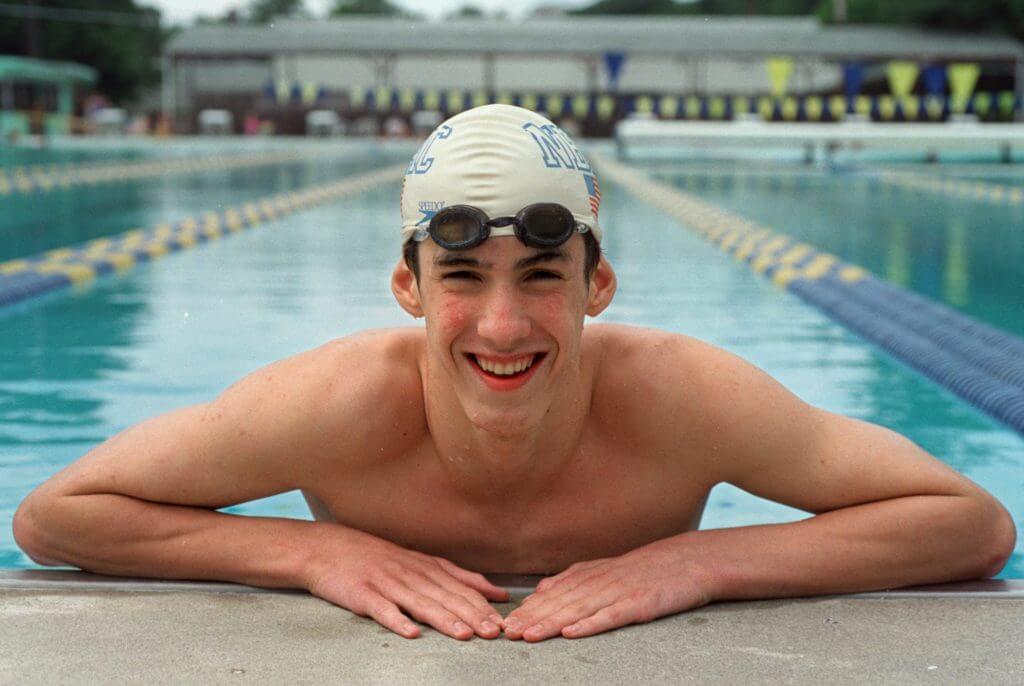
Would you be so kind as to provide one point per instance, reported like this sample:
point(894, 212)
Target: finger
point(387, 614)
point(428, 611)
point(571, 578)
point(610, 617)
point(570, 571)
point(544, 621)
point(594, 587)
point(474, 580)
point(439, 575)
point(460, 600)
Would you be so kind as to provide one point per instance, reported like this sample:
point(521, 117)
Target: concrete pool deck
point(75, 627)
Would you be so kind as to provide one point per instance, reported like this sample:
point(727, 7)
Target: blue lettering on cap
point(557, 149)
point(420, 163)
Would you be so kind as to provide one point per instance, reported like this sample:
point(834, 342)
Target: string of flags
point(986, 105)
point(945, 90)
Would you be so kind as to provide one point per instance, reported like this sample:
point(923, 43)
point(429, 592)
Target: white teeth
point(506, 369)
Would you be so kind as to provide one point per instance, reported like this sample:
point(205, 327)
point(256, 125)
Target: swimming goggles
point(541, 225)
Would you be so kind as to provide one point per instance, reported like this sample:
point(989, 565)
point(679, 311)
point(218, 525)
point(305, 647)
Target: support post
point(168, 88)
point(488, 62)
point(1018, 90)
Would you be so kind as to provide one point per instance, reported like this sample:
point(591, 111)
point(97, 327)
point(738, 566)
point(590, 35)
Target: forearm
point(124, 536)
point(888, 544)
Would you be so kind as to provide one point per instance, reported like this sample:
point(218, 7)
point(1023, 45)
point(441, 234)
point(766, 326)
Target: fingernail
point(513, 624)
point(488, 626)
point(497, 619)
point(459, 626)
point(535, 630)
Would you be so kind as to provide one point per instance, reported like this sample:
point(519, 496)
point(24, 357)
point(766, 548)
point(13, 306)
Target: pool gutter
point(517, 584)
point(63, 626)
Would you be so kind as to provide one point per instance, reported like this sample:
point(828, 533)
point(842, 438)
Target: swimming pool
point(964, 251)
point(79, 365)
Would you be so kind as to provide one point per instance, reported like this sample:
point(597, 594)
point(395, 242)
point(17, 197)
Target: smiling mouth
point(509, 369)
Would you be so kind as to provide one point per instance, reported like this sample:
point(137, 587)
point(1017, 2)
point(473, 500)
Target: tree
point(468, 12)
point(377, 7)
point(118, 38)
point(712, 7)
point(991, 16)
point(262, 11)
point(996, 16)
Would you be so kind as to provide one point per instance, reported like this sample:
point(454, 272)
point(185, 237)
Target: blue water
point(965, 252)
point(78, 366)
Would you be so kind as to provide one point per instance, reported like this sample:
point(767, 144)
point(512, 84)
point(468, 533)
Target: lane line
point(80, 264)
point(992, 193)
point(978, 362)
point(44, 178)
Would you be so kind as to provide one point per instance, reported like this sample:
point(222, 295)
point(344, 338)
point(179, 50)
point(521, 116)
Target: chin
point(503, 421)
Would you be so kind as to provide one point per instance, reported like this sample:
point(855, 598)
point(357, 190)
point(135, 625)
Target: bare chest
point(607, 507)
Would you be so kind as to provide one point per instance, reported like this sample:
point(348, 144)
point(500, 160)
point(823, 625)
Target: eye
point(460, 275)
point(543, 275)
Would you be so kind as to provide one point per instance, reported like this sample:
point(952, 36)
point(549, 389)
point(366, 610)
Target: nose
point(504, 321)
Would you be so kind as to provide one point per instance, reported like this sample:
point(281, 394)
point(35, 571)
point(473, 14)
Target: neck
point(506, 458)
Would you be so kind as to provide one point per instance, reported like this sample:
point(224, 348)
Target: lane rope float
point(978, 362)
point(79, 264)
point(975, 190)
point(43, 178)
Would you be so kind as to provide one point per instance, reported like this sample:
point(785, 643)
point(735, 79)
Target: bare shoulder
point(280, 428)
point(353, 390)
point(676, 390)
point(652, 361)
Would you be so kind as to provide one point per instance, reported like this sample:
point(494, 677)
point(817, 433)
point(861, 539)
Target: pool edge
point(516, 584)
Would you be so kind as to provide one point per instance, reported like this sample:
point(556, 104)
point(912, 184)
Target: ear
point(406, 290)
point(602, 287)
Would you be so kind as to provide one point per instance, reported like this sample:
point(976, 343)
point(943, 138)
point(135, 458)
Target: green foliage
point(262, 11)
point(468, 11)
point(633, 7)
point(377, 7)
point(1000, 16)
point(126, 54)
point(710, 7)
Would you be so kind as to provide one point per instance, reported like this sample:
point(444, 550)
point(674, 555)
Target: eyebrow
point(454, 259)
point(545, 256)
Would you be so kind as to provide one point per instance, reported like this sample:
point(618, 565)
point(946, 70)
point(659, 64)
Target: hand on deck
point(376, 578)
point(595, 596)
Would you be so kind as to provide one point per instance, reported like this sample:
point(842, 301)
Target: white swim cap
point(500, 159)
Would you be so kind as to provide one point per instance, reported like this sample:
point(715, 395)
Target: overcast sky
point(183, 11)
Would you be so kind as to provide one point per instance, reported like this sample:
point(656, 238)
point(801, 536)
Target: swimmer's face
point(504, 322)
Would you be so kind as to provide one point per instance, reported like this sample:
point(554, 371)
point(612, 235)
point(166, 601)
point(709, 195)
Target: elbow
point(1002, 541)
point(28, 534)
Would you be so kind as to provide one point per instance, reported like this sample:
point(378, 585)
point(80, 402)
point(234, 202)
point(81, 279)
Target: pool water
point(965, 252)
point(80, 365)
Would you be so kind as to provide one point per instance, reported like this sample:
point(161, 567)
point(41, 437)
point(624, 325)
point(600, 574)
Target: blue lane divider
point(953, 368)
point(25, 278)
point(980, 363)
point(26, 180)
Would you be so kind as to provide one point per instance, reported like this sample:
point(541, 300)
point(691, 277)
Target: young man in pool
point(506, 437)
